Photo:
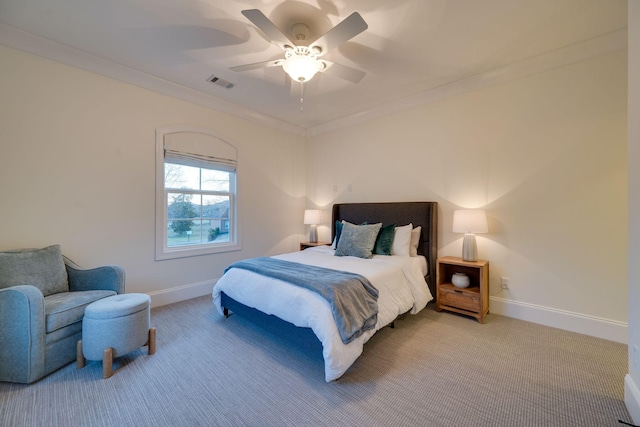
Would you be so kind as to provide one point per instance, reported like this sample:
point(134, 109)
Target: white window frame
point(164, 252)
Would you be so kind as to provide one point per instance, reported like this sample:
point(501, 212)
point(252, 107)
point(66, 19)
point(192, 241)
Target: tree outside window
point(198, 205)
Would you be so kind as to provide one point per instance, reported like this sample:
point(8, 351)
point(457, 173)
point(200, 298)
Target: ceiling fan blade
point(350, 27)
point(269, 28)
point(342, 72)
point(255, 66)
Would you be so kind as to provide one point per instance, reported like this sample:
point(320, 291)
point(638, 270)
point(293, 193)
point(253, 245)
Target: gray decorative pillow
point(357, 240)
point(42, 268)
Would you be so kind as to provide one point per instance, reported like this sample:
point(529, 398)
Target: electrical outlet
point(335, 188)
point(504, 282)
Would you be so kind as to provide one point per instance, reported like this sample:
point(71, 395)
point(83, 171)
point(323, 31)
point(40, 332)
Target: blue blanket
point(353, 299)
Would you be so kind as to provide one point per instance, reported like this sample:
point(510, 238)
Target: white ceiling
point(411, 48)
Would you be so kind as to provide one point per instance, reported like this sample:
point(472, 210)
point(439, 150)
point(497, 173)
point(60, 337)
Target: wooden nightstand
point(472, 301)
point(305, 245)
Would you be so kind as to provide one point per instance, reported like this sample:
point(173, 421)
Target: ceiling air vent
point(220, 82)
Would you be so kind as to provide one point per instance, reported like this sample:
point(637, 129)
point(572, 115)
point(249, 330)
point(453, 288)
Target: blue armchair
point(42, 300)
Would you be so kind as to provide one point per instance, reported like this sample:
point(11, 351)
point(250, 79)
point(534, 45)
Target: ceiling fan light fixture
point(301, 64)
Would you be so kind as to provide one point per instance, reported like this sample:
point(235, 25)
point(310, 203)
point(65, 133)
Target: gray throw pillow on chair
point(42, 268)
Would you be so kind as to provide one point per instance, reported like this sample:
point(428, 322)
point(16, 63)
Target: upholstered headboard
point(423, 214)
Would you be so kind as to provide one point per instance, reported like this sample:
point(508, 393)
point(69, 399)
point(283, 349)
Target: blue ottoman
point(113, 327)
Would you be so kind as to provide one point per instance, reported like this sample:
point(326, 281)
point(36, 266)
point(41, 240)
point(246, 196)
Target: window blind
point(199, 160)
point(201, 150)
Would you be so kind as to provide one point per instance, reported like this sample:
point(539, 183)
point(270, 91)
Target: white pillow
point(415, 241)
point(401, 240)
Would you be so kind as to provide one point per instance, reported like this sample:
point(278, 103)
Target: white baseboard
point(589, 325)
point(181, 293)
point(632, 398)
point(612, 330)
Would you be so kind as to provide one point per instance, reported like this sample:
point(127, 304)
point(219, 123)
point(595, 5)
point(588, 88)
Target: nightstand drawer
point(461, 299)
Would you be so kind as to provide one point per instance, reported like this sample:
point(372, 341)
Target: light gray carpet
point(433, 369)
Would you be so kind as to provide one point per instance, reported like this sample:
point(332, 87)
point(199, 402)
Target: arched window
point(196, 210)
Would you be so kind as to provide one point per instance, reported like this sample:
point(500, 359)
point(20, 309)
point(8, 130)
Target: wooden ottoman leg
point(152, 341)
point(107, 362)
point(80, 361)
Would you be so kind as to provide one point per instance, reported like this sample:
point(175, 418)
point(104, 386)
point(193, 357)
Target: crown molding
point(58, 52)
point(608, 43)
point(605, 44)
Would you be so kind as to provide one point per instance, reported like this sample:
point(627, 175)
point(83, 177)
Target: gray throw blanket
point(353, 299)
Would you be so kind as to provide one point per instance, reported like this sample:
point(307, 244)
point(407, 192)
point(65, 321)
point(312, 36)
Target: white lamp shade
point(301, 68)
point(313, 216)
point(470, 221)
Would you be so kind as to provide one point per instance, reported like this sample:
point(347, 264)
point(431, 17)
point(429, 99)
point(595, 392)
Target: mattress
point(399, 280)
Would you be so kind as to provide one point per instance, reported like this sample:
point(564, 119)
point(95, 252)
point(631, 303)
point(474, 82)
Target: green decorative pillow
point(336, 239)
point(384, 240)
point(357, 240)
point(42, 268)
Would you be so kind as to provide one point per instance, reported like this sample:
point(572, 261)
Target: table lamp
point(313, 217)
point(470, 221)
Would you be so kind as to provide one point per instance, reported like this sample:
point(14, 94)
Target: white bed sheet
point(399, 280)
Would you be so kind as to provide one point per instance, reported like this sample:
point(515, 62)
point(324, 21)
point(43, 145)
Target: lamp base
point(313, 234)
point(469, 248)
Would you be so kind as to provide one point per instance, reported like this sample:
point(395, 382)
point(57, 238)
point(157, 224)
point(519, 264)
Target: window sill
point(185, 252)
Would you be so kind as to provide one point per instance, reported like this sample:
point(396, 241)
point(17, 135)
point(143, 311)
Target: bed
point(405, 284)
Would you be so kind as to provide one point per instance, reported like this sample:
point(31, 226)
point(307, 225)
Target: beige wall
point(544, 155)
point(77, 168)
point(632, 381)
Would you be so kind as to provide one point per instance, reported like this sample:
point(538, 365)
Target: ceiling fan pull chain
point(301, 97)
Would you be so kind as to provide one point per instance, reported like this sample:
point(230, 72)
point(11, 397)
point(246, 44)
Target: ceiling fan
point(302, 60)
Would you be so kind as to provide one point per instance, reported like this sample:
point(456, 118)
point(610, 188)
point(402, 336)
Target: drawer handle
point(457, 291)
